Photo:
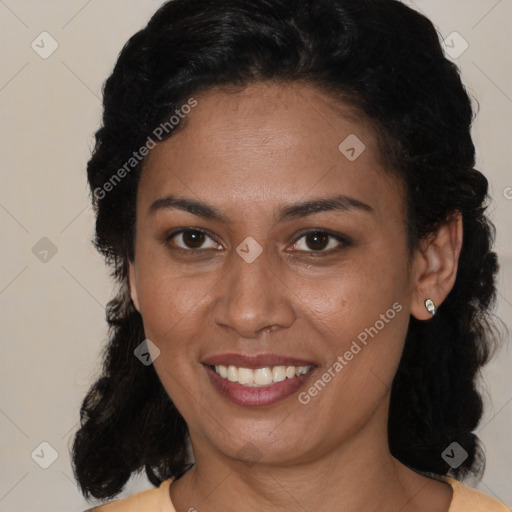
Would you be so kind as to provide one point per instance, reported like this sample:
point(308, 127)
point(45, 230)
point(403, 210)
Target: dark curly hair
point(386, 61)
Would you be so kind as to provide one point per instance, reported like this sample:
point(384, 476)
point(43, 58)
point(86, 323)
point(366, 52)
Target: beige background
point(53, 312)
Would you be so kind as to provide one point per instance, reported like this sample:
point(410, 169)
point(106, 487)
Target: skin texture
point(247, 154)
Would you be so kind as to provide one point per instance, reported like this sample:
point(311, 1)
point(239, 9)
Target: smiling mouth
point(259, 377)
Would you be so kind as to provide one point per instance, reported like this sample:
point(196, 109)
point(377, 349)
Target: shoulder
point(156, 500)
point(467, 499)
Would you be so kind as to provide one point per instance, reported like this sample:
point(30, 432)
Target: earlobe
point(132, 286)
point(436, 264)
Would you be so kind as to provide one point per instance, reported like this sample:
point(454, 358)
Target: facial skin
point(248, 154)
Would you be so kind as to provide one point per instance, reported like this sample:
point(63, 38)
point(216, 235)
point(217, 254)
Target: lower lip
point(256, 396)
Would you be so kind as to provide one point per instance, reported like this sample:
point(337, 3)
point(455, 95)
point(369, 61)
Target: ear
point(435, 266)
point(132, 285)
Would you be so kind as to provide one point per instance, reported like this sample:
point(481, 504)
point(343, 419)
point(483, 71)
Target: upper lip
point(255, 361)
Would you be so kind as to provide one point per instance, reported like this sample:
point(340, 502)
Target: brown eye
point(317, 240)
point(192, 239)
point(320, 242)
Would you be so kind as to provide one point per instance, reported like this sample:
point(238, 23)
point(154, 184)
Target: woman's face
point(250, 175)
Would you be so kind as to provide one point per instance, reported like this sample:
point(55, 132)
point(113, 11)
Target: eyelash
point(343, 241)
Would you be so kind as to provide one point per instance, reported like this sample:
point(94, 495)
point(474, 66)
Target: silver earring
point(431, 307)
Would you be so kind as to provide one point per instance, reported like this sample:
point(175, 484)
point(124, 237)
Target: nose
point(253, 298)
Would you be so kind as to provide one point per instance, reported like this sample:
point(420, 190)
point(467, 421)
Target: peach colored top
point(465, 499)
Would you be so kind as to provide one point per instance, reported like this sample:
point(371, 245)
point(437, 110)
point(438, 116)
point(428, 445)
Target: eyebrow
point(284, 213)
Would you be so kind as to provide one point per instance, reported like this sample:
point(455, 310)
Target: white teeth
point(278, 373)
point(260, 376)
point(245, 376)
point(232, 373)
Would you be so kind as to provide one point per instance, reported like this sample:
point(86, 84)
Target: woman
point(285, 190)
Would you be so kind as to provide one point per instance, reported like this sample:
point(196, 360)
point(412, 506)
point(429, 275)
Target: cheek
point(170, 296)
point(361, 315)
point(362, 343)
point(174, 309)
point(170, 305)
point(354, 296)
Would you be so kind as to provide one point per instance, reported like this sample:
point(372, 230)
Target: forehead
point(266, 143)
